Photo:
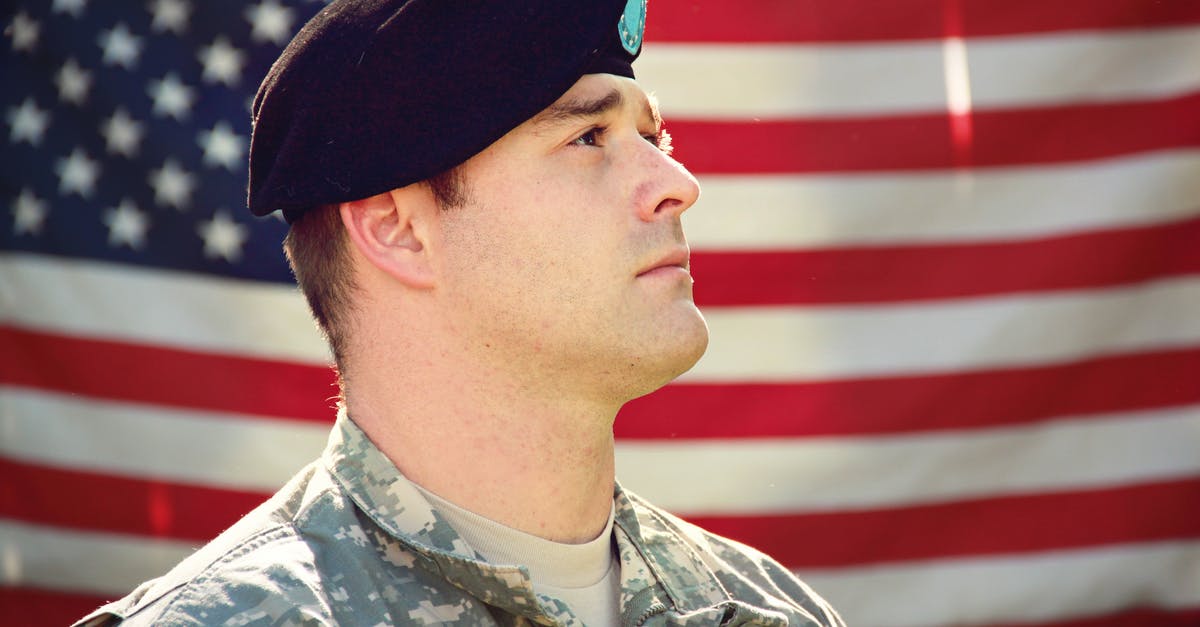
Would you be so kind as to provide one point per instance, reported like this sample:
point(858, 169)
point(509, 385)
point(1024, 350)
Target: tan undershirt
point(585, 576)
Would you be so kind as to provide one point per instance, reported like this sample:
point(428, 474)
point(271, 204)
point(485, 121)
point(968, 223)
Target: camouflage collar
point(396, 506)
point(671, 550)
point(657, 551)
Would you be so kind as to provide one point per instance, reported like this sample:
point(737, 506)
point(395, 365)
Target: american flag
point(949, 252)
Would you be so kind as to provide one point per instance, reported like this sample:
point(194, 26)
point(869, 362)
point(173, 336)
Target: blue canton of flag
point(128, 125)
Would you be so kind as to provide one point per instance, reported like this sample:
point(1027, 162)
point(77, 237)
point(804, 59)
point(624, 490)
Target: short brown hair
point(317, 247)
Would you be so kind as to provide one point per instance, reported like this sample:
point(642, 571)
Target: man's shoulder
point(265, 575)
point(282, 562)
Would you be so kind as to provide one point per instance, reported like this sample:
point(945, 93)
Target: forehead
point(596, 94)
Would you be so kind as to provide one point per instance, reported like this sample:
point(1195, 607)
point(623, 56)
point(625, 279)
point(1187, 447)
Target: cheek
point(550, 231)
point(497, 255)
point(529, 233)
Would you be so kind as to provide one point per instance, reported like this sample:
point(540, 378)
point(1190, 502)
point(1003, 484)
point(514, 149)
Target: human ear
point(391, 231)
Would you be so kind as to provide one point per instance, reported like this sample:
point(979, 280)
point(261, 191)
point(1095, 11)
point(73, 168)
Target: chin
point(692, 345)
point(677, 353)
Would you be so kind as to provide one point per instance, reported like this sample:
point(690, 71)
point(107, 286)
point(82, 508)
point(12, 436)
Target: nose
point(668, 189)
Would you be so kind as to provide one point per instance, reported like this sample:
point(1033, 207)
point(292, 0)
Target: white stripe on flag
point(748, 344)
point(158, 307)
point(1036, 587)
point(75, 561)
point(772, 81)
point(747, 477)
point(815, 343)
point(694, 477)
point(784, 212)
point(191, 447)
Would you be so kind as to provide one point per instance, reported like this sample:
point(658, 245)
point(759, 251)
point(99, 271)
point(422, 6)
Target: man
point(486, 223)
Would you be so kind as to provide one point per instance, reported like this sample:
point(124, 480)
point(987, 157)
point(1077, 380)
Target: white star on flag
point(29, 213)
point(28, 122)
point(222, 62)
point(222, 147)
point(170, 15)
point(122, 134)
point(73, 83)
point(171, 97)
point(223, 238)
point(120, 47)
point(24, 31)
point(270, 22)
point(72, 7)
point(126, 225)
point(172, 185)
point(77, 174)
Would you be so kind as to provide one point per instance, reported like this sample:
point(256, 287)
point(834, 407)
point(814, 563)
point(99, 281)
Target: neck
point(532, 460)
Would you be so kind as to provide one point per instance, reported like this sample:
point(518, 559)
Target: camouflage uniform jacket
point(349, 541)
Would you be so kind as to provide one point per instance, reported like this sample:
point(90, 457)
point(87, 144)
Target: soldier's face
point(568, 259)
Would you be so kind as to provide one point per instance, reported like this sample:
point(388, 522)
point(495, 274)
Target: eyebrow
point(581, 108)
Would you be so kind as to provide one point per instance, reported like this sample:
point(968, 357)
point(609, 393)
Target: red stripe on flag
point(1168, 510)
point(1055, 134)
point(166, 376)
point(905, 273)
point(900, 404)
point(142, 506)
point(796, 21)
point(1151, 380)
point(31, 607)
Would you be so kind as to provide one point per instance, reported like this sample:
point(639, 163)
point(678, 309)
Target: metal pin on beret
point(372, 95)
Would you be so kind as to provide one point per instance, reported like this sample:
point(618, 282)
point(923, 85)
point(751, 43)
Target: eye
point(590, 138)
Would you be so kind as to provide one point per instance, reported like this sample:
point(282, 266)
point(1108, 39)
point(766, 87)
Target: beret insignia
point(632, 25)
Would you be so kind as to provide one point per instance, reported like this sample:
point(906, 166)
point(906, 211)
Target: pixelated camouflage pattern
point(349, 541)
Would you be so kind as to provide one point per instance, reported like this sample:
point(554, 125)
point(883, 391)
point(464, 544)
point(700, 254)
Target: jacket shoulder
point(262, 559)
point(267, 575)
point(326, 565)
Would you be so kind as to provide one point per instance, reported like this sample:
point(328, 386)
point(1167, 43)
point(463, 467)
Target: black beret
point(372, 95)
